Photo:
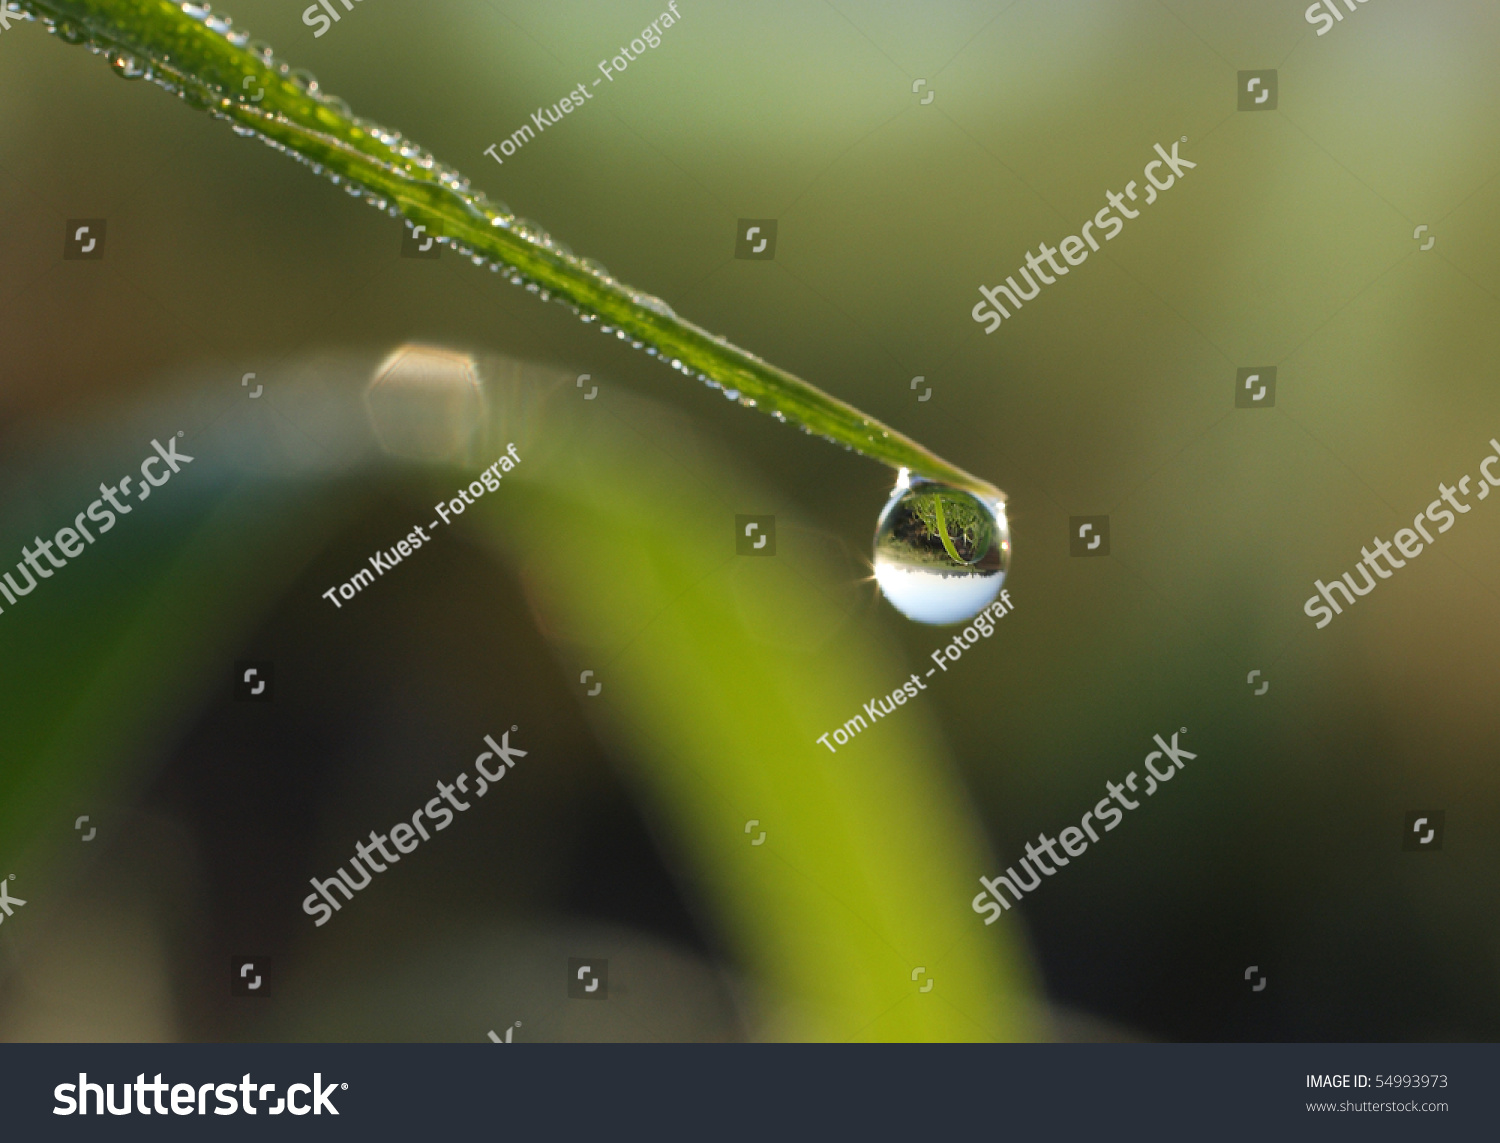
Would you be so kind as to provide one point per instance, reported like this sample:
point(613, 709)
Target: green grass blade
point(215, 68)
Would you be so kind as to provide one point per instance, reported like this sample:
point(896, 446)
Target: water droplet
point(652, 303)
point(532, 231)
point(940, 553)
point(126, 66)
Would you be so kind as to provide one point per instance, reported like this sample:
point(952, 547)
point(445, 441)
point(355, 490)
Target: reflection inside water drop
point(940, 553)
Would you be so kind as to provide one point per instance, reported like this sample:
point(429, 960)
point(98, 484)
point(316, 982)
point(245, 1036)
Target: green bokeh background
point(1290, 244)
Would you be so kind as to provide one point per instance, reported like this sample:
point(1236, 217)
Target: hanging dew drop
point(941, 553)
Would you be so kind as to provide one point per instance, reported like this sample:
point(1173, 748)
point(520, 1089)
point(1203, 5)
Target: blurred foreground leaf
point(871, 855)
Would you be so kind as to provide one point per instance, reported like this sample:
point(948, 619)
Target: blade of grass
point(200, 57)
point(943, 530)
point(868, 870)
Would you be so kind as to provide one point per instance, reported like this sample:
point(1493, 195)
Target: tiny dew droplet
point(125, 66)
point(941, 553)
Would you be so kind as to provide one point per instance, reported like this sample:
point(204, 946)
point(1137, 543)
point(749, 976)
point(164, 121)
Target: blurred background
point(625, 836)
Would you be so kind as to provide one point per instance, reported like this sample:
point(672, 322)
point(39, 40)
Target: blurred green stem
point(211, 65)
